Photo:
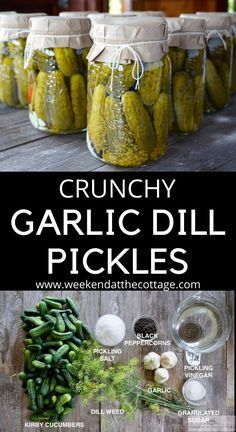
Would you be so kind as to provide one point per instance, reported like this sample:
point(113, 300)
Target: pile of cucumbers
point(54, 334)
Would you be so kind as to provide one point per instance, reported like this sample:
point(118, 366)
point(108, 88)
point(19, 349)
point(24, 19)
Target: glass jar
point(219, 59)
point(127, 100)
point(57, 81)
point(187, 56)
point(218, 73)
point(233, 83)
point(187, 89)
point(201, 324)
point(57, 90)
point(13, 76)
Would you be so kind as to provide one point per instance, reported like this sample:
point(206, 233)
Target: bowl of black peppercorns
point(145, 327)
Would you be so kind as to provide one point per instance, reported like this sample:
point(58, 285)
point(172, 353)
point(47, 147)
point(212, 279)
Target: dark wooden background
point(170, 7)
point(127, 305)
point(176, 7)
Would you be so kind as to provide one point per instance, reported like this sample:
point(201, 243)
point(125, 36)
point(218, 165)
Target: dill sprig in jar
point(128, 90)
point(56, 53)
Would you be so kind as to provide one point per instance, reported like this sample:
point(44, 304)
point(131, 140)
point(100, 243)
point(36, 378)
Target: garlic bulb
point(152, 361)
point(161, 375)
point(168, 360)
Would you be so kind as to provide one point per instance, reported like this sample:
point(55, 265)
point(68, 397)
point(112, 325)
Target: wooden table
point(23, 148)
point(128, 305)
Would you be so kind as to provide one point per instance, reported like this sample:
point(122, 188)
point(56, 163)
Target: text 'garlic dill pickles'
point(186, 39)
point(55, 54)
point(128, 90)
point(219, 59)
point(13, 76)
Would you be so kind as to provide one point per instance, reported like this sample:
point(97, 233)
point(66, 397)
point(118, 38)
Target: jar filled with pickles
point(128, 91)
point(186, 39)
point(233, 81)
point(55, 54)
point(219, 59)
point(13, 77)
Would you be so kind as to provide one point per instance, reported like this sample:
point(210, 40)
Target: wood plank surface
point(23, 148)
point(230, 357)
point(127, 305)
point(11, 361)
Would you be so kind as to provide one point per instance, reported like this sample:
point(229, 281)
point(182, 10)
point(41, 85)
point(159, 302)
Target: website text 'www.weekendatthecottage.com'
point(86, 285)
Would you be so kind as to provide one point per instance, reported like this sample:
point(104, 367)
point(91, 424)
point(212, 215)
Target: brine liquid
point(199, 326)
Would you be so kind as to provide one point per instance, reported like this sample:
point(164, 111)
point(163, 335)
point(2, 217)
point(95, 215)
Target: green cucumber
point(32, 394)
point(50, 318)
point(54, 343)
point(43, 308)
point(31, 312)
point(45, 386)
point(62, 389)
point(55, 311)
point(68, 323)
point(38, 364)
point(72, 346)
point(47, 358)
point(52, 385)
point(60, 379)
point(39, 418)
point(72, 306)
point(79, 327)
point(61, 336)
point(49, 413)
point(34, 347)
point(87, 333)
point(54, 399)
point(64, 413)
point(61, 352)
point(27, 360)
point(38, 340)
point(40, 402)
point(36, 320)
point(63, 362)
point(72, 356)
point(68, 378)
point(71, 403)
point(76, 341)
point(22, 376)
point(42, 329)
point(28, 342)
point(60, 323)
point(53, 304)
point(71, 369)
point(55, 299)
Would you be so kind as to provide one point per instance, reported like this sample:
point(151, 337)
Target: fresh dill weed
point(97, 382)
